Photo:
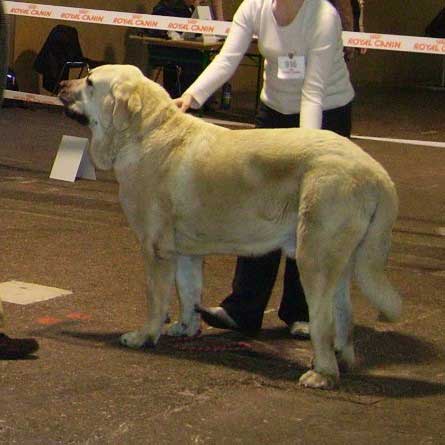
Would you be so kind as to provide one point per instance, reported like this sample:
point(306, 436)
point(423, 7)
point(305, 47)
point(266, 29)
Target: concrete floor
point(220, 388)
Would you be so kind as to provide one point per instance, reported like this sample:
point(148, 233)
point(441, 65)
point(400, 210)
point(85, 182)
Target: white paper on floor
point(72, 160)
point(19, 292)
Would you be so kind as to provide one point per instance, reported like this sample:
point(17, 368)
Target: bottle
point(226, 96)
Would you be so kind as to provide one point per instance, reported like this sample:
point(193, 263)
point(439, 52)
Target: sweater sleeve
point(323, 47)
point(226, 62)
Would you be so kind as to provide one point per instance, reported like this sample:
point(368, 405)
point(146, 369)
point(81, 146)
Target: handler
point(9, 347)
point(306, 84)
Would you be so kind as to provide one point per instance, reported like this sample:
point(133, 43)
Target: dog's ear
point(127, 102)
point(106, 112)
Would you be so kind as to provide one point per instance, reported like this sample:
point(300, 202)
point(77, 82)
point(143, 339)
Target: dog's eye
point(89, 82)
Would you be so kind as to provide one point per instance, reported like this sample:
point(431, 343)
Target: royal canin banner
point(117, 18)
point(352, 39)
point(390, 42)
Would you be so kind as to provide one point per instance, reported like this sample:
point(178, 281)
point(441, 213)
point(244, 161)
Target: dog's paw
point(314, 379)
point(184, 330)
point(137, 340)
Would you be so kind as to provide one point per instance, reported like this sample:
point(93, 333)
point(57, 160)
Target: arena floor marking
point(223, 123)
point(401, 141)
point(47, 320)
point(19, 292)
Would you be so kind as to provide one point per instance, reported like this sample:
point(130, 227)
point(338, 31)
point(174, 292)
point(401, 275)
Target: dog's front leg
point(189, 288)
point(160, 273)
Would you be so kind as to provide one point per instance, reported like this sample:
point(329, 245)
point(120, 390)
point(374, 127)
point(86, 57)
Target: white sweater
point(315, 33)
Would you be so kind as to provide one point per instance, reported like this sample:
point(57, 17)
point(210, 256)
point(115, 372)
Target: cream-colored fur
point(190, 188)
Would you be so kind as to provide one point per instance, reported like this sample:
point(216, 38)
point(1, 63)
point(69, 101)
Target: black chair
point(60, 53)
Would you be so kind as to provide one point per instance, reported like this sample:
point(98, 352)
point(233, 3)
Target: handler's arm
point(320, 59)
point(226, 62)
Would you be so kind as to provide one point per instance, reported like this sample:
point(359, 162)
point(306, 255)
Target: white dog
point(190, 188)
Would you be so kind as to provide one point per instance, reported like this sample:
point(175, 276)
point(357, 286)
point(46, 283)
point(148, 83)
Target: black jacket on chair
point(61, 46)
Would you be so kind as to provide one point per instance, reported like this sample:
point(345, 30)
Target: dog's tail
point(372, 256)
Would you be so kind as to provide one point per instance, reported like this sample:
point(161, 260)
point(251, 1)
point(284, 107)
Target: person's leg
point(252, 286)
point(293, 305)
point(254, 277)
point(293, 308)
point(251, 289)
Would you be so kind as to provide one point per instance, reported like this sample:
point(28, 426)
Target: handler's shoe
point(299, 329)
point(16, 348)
point(217, 317)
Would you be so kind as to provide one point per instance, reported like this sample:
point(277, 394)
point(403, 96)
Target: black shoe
point(217, 317)
point(16, 348)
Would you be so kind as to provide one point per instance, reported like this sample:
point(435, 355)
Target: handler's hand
point(184, 102)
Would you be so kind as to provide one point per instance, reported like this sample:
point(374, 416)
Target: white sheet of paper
point(72, 160)
point(19, 292)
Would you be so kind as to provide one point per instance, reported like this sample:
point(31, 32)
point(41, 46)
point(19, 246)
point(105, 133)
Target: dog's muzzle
point(68, 98)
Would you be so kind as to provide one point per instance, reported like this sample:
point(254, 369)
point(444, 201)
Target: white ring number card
point(291, 67)
point(72, 160)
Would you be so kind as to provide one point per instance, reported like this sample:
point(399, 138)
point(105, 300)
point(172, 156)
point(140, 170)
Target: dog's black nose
point(63, 97)
point(62, 85)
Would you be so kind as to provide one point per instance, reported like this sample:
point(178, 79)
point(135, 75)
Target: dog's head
point(107, 100)
point(107, 96)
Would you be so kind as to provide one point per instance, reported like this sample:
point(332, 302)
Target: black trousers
point(255, 276)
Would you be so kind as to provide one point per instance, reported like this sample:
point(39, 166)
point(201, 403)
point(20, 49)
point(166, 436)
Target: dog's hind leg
point(189, 288)
point(344, 347)
point(324, 250)
point(160, 275)
point(319, 296)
